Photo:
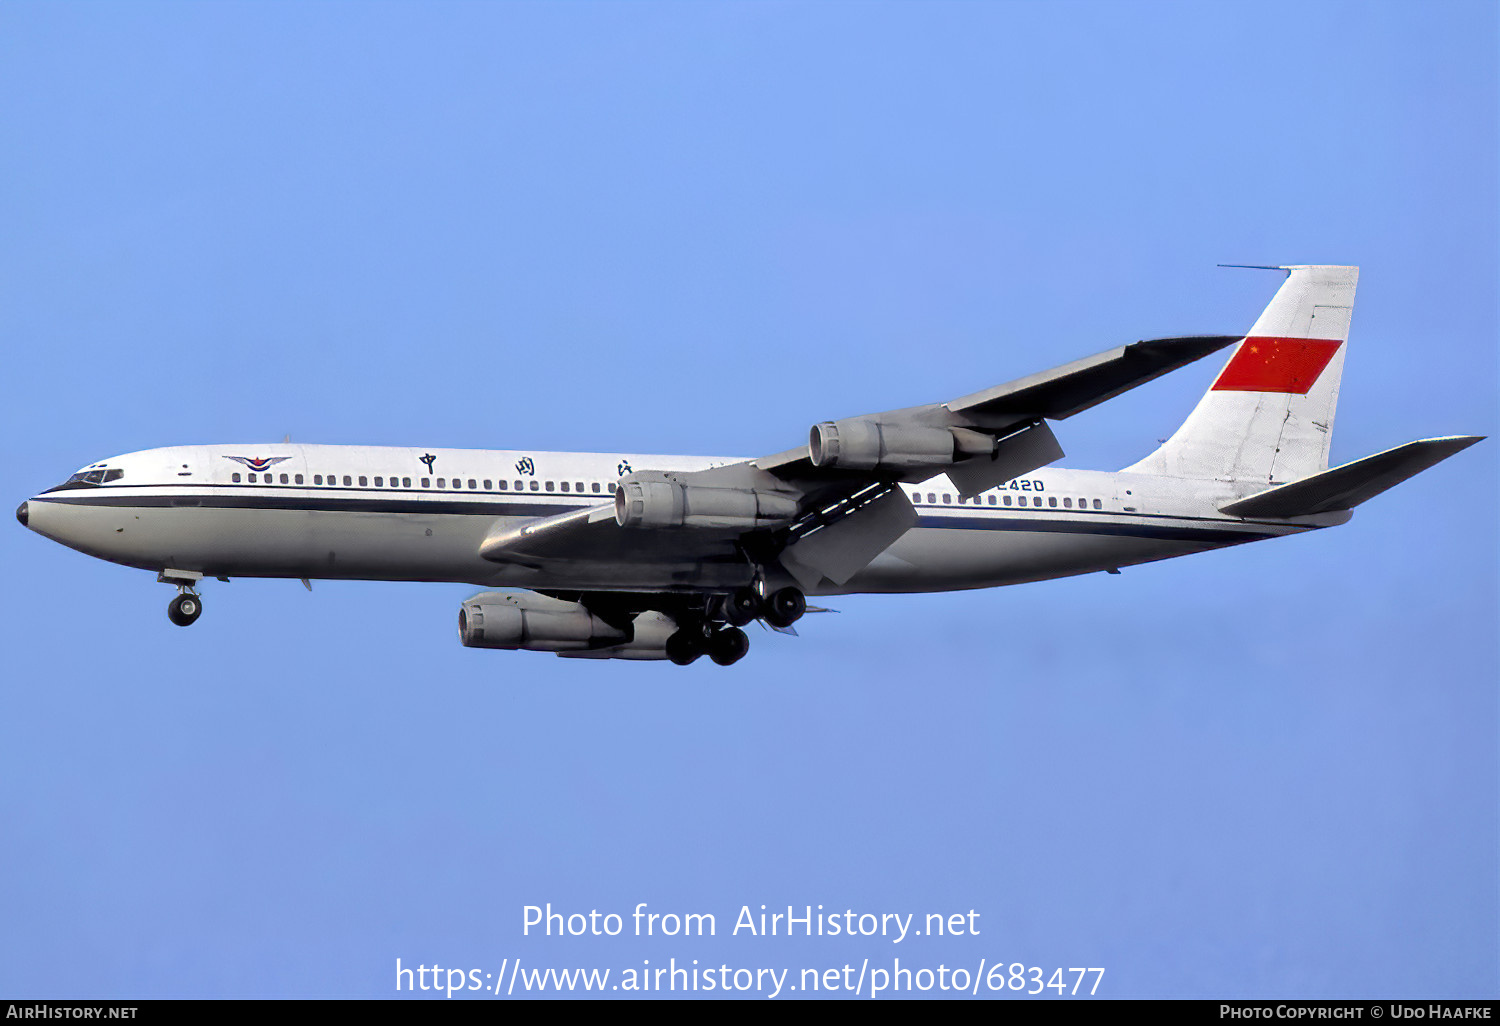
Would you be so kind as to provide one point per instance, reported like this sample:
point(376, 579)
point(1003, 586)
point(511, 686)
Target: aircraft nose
point(23, 514)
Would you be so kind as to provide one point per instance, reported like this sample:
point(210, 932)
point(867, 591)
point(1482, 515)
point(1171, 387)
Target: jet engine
point(536, 623)
point(649, 641)
point(863, 443)
point(647, 502)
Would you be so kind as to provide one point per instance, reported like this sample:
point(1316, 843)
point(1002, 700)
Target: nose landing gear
point(185, 609)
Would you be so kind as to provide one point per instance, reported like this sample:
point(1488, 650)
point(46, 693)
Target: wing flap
point(845, 547)
point(1021, 453)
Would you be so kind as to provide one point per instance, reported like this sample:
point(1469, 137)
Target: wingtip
point(1184, 349)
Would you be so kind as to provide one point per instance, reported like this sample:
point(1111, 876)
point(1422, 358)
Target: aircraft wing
point(828, 507)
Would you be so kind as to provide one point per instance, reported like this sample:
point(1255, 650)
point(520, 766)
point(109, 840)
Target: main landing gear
point(723, 641)
point(185, 609)
point(784, 607)
point(781, 608)
point(720, 642)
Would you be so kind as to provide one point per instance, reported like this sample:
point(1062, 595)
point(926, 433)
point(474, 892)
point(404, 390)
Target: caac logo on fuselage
point(258, 462)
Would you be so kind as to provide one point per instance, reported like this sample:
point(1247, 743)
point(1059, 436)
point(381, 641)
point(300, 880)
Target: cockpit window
point(89, 479)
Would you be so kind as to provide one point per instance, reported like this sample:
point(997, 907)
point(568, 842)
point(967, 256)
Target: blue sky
point(1268, 771)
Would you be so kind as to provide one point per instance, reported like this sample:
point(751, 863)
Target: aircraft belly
point(947, 559)
point(275, 542)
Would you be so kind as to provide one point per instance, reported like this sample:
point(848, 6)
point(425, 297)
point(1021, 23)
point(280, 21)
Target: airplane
point(629, 556)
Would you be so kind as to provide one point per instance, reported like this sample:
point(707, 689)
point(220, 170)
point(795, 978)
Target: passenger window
point(406, 482)
point(252, 478)
point(298, 478)
point(380, 482)
point(1007, 500)
point(283, 479)
point(521, 486)
point(596, 486)
point(442, 482)
point(1097, 504)
point(992, 500)
point(503, 485)
point(578, 487)
point(1052, 501)
point(947, 499)
point(426, 482)
point(348, 481)
point(565, 486)
point(487, 485)
point(536, 486)
point(235, 478)
point(1067, 504)
point(549, 486)
point(473, 484)
point(1037, 501)
point(932, 498)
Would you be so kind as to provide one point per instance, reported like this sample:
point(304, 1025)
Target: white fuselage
point(400, 514)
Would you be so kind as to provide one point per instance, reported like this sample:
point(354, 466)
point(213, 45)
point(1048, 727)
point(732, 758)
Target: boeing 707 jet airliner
point(627, 556)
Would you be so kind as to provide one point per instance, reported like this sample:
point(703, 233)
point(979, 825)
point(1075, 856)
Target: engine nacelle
point(657, 503)
point(649, 641)
point(861, 443)
point(536, 623)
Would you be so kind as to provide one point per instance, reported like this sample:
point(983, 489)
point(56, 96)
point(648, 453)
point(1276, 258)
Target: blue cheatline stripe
point(345, 504)
point(1098, 523)
point(1162, 531)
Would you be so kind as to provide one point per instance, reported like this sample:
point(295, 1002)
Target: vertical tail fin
point(1268, 417)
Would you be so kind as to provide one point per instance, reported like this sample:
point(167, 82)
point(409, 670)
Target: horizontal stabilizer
point(1347, 486)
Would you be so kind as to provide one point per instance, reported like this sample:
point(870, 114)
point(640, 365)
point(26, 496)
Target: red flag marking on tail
point(1266, 363)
